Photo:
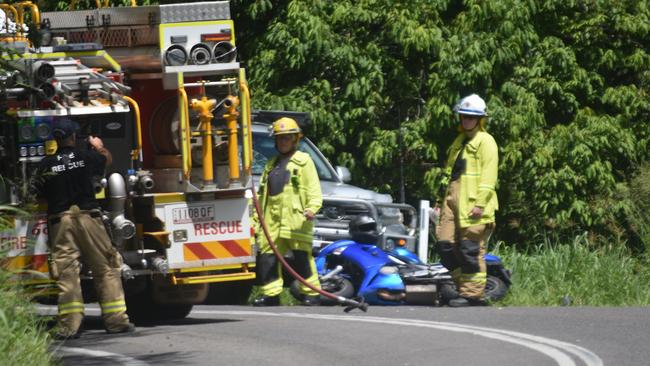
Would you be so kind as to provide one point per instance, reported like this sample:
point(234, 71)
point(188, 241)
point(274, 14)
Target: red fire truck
point(162, 87)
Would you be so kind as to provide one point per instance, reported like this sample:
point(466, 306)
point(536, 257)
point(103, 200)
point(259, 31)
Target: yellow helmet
point(285, 126)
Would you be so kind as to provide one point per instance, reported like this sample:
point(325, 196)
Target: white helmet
point(471, 105)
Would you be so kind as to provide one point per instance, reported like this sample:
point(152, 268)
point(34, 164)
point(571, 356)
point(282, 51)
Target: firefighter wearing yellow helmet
point(467, 210)
point(290, 196)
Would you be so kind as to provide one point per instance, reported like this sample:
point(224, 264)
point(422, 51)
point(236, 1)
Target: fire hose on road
point(350, 304)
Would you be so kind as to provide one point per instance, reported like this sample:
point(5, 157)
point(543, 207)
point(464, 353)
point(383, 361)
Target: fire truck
point(162, 87)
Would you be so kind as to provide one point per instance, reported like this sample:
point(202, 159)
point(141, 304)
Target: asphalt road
point(406, 335)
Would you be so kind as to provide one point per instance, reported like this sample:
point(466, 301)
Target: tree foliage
point(567, 86)
point(566, 81)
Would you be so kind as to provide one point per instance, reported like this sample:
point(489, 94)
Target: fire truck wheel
point(231, 293)
point(173, 311)
point(144, 310)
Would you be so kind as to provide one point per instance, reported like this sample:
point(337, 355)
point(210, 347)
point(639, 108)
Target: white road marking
point(556, 350)
point(111, 358)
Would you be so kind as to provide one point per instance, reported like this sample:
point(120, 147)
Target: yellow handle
point(183, 106)
point(98, 4)
point(20, 20)
point(135, 154)
point(247, 138)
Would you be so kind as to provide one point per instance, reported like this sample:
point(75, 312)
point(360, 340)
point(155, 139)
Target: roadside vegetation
point(568, 92)
point(592, 270)
point(579, 273)
point(566, 82)
point(23, 338)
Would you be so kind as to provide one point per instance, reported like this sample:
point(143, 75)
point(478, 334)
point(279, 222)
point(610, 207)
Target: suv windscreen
point(264, 149)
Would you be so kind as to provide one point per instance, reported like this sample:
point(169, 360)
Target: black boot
point(460, 302)
point(62, 336)
point(127, 328)
point(311, 300)
point(267, 301)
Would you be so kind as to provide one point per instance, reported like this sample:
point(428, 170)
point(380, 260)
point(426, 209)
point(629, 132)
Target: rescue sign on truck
point(25, 244)
point(212, 232)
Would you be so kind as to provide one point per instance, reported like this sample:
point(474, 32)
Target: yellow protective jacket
point(301, 193)
point(478, 182)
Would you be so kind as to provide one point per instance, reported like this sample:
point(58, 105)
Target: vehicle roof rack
point(268, 117)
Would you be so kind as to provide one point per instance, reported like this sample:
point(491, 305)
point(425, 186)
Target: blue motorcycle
point(359, 268)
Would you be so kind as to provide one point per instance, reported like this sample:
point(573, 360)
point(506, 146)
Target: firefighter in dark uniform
point(76, 230)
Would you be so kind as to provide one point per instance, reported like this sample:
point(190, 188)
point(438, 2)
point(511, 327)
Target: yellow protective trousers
point(268, 268)
point(74, 234)
point(269, 271)
point(462, 250)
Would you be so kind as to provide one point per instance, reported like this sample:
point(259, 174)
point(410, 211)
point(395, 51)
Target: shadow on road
point(180, 358)
point(96, 322)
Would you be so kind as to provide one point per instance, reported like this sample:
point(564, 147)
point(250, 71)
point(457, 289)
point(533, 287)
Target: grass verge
point(576, 274)
point(23, 337)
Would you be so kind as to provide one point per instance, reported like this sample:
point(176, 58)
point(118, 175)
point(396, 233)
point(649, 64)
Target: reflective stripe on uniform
point(488, 187)
point(113, 306)
point(480, 277)
point(312, 280)
point(71, 307)
point(272, 289)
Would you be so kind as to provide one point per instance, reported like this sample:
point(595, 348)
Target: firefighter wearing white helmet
point(467, 210)
point(290, 196)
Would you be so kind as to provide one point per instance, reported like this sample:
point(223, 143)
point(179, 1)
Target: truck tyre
point(179, 311)
point(229, 293)
point(142, 308)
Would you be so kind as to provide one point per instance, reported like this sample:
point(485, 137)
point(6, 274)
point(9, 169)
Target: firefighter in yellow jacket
point(469, 205)
point(76, 230)
point(290, 196)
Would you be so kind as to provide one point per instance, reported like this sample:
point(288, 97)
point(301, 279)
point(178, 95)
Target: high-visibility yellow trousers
point(269, 271)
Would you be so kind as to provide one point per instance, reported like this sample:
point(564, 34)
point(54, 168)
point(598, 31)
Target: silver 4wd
point(341, 201)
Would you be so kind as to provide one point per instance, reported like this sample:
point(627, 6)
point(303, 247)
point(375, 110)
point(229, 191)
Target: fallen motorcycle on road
point(358, 268)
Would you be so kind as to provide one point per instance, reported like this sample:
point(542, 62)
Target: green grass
point(23, 337)
point(578, 273)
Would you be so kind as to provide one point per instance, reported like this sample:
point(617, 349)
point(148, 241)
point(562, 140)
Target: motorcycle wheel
point(338, 286)
point(495, 288)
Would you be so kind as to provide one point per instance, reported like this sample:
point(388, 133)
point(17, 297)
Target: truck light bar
point(215, 37)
